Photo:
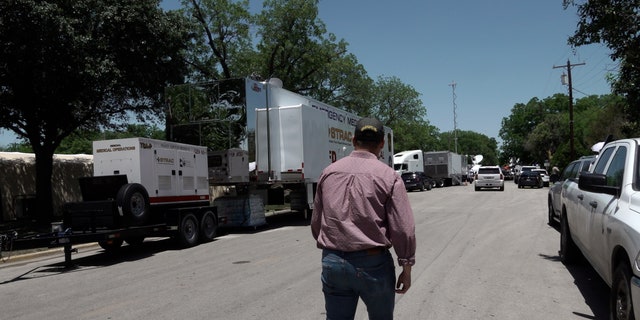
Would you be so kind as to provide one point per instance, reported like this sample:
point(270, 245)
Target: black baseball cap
point(369, 129)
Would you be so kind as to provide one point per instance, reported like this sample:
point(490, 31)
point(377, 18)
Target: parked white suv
point(489, 177)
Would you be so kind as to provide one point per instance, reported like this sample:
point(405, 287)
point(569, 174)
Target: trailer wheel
point(188, 231)
point(208, 226)
point(133, 203)
point(110, 245)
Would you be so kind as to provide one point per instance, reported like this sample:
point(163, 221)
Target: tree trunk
point(44, 198)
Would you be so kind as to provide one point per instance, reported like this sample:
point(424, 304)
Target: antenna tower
point(455, 115)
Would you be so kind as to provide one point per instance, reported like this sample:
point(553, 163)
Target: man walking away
point(361, 209)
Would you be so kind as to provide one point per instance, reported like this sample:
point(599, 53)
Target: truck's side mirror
point(596, 182)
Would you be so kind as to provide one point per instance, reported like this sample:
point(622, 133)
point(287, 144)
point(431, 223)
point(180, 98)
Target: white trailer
point(296, 137)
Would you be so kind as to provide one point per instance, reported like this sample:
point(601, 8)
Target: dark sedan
point(416, 180)
point(530, 179)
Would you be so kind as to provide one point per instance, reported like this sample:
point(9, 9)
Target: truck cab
point(600, 220)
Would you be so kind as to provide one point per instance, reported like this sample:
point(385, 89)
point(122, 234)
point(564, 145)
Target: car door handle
point(580, 197)
point(593, 204)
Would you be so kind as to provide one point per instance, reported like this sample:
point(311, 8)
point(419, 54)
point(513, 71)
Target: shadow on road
point(593, 289)
point(149, 248)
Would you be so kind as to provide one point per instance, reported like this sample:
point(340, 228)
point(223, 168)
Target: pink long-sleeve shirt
point(361, 203)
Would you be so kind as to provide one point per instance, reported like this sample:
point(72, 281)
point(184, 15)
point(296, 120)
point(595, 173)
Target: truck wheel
point(188, 231)
point(110, 245)
point(133, 203)
point(208, 226)
point(568, 250)
point(621, 306)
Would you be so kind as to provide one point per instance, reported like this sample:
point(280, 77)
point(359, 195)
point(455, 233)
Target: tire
point(550, 213)
point(110, 245)
point(620, 303)
point(422, 187)
point(477, 189)
point(188, 231)
point(568, 251)
point(502, 188)
point(132, 201)
point(208, 226)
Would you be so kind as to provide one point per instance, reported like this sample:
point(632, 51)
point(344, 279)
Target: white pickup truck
point(601, 220)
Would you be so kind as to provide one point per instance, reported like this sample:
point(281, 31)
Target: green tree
point(294, 45)
point(539, 131)
point(82, 141)
point(471, 143)
point(222, 49)
point(84, 64)
point(291, 44)
point(617, 25)
point(516, 128)
point(416, 135)
point(398, 105)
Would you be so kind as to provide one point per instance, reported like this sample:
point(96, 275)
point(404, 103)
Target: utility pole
point(455, 122)
point(565, 82)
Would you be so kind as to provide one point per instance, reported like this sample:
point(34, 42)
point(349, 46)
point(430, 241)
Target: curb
point(9, 257)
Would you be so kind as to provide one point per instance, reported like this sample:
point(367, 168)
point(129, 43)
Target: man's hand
point(404, 280)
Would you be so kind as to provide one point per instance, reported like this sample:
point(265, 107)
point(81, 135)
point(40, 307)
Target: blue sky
point(498, 52)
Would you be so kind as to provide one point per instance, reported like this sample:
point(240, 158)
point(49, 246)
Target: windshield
point(489, 171)
point(400, 166)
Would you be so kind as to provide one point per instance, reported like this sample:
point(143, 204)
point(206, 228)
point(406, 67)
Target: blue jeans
point(348, 276)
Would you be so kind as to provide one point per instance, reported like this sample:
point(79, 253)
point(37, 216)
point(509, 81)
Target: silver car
point(489, 177)
point(570, 174)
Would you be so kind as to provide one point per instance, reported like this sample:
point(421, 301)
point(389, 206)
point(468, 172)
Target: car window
point(489, 171)
point(585, 165)
point(603, 159)
point(616, 168)
point(569, 171)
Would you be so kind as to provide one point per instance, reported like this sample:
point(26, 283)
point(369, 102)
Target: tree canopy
point(615, 23)
point(538, 131)
point(85, 64)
